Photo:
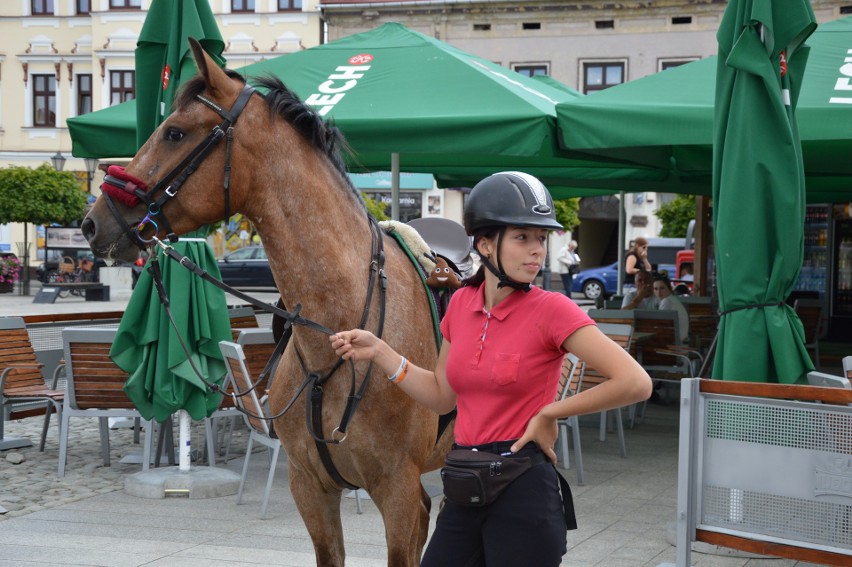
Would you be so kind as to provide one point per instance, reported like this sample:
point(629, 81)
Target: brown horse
point(288, 179)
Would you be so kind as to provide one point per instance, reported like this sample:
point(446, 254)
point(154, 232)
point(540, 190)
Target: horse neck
point(318, 241)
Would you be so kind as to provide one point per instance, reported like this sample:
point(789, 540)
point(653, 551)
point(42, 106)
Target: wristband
point(399, 370)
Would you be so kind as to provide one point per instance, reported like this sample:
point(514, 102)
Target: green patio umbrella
point(759, 189)
point(162, 380)
point(670, 118)
point(163, 53)
point(105, 133)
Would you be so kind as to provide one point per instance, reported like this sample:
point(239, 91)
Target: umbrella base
point(196, 483)
point(7, 443)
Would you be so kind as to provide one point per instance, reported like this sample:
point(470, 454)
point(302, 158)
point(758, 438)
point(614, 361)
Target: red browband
point(123, 194)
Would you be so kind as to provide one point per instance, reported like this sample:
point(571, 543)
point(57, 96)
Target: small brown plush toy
point(443, 276)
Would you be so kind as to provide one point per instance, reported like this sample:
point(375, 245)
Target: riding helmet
point(510, 198)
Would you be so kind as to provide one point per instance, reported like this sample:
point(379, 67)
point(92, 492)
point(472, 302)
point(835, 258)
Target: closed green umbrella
point(147, 346)
point(106, 133)
point(164, 60)
point(759, 189)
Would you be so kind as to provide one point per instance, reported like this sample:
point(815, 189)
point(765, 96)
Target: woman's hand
point(355, 344)
point(544, 431)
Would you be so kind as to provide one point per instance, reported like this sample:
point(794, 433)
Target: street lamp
point(91, 167)
point(58, 161)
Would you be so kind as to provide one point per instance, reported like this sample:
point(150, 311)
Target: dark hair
point(485, 232)
point(661, 277)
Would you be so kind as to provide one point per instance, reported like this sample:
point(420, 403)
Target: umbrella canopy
point(148, 347)
point(670, 118)
point(105, 133)
point(759, 189)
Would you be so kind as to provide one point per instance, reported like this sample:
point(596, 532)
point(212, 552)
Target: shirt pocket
point(505, 370)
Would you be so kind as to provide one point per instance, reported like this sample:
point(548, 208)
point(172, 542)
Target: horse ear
point(215, 78)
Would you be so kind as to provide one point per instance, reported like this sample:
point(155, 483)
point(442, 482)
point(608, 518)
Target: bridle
point(118, 184)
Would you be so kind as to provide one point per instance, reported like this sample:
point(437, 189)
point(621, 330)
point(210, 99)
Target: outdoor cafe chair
point(94, 388)
point(572, 372)
point(22, 385)
point(253, 402)
point(258, 345)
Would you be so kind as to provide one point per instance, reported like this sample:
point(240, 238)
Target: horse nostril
point(88, 228)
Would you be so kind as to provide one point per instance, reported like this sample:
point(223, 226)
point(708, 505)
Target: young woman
point(665, 299)
point(504, 341)
point(636, 261)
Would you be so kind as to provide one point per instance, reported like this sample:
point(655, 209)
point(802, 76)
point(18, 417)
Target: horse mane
point(284, 103)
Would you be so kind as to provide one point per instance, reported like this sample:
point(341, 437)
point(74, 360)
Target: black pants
point(525, 526)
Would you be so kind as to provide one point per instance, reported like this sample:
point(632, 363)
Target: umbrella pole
point(184, 439)
point(395, 186)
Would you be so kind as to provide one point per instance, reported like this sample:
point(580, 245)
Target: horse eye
point(174, 135)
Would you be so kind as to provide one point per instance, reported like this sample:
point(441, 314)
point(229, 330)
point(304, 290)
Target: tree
point(675, 216)
point(374, 208)
point(40, 196)
point(568, 212)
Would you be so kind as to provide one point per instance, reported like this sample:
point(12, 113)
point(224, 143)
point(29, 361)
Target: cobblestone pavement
point(33, 484)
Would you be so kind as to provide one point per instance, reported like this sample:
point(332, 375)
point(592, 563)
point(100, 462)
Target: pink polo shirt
point(505, 372)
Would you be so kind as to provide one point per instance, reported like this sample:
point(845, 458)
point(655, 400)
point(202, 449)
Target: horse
point(280, 165)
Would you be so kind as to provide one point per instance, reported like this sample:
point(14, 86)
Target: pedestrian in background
point(636, 261)
point(567, 265)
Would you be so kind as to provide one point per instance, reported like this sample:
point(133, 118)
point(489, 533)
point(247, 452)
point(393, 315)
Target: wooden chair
point(258, 345)
point(703, 320)
point(664, 355)
point(242, 317)
point(622, 334)
point(253, 403)
point(810, 312)
point(94, 388)
point(23, 390)
point(572, 373)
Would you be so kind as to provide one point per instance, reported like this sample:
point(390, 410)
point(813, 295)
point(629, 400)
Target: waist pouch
point(477, 478)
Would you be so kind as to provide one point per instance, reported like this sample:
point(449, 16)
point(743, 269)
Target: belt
point(502, 448)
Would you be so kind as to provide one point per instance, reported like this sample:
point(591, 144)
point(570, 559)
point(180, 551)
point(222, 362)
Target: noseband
point(131, 191)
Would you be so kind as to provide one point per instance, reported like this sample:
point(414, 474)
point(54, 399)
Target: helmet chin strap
point(504, 280)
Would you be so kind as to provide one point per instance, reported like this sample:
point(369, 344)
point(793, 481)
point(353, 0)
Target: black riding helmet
point(509, 198)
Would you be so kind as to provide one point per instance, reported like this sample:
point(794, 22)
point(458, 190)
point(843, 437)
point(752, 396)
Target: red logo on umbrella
point(362, 59)
point(166, 73)
point(783, 63)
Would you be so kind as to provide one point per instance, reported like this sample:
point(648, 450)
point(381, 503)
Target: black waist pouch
point(476, 478)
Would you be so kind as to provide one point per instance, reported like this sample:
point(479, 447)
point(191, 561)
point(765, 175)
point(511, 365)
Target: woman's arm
point(630, 265)
point(627, 383)
point(427, 387)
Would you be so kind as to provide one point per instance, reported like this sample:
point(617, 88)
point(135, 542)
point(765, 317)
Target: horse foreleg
point(320, 511)
point(405, 507)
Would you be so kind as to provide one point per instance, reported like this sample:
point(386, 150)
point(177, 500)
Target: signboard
point(70, 238)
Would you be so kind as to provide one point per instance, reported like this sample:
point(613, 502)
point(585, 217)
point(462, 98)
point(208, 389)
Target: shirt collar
point(477, 302)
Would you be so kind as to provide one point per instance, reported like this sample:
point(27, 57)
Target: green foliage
point(375, 209)
point(40, 196)
point(675, 216)
point(568, 212)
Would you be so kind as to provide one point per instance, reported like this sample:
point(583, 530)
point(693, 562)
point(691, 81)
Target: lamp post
point(58, 161)
point(91, 167)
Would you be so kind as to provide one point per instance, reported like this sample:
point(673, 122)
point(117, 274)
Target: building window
point(481, 27)
point(242, 5)
point(84, 94)
point(44, 100)
point(122, 86)
point(42, 7)
point(600, 76)
point(125, 4)
point(289, 5)
point(671, 63)
point(83, 7)
point(530, 70)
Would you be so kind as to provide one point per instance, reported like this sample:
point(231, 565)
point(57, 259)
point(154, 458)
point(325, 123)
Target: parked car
point(597, 282)
point(247, 268)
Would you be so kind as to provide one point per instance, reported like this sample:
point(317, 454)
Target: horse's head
point(178, 179)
